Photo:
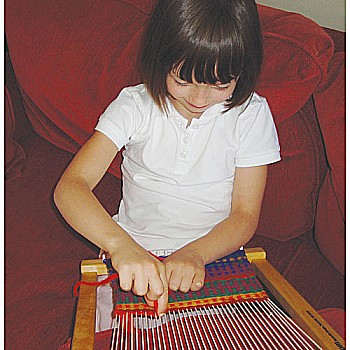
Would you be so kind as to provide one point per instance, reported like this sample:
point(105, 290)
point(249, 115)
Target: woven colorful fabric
point(230, 279)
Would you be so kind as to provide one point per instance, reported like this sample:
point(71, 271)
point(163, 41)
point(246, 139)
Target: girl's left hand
point(184, 270)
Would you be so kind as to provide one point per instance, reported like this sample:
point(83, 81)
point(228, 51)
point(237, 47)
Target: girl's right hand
point(142, 273)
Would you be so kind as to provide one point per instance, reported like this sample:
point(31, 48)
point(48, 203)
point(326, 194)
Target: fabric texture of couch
point(63, 68)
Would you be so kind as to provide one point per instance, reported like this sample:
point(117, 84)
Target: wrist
point(117, 241)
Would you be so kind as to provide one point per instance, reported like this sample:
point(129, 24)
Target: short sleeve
point(121, 118)
point(257, 135)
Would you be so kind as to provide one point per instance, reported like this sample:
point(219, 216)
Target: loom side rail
point(84, 327)
point(293, 303)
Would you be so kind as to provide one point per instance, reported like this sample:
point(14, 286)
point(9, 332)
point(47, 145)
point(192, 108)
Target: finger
point(198, 279)
point(174, 281)
point(197, 283)
point(162, 303)
point(168, 272)
point(186, 283)
point(149, 302)
point(155, 288)
point(157, 282)
point(140, 285)
point(125, 281)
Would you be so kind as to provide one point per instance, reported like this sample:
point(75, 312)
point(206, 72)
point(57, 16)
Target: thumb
point(160, 304)
point(151, 303)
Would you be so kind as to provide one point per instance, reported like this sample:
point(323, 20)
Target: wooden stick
point(293, 303)
point(84, 328)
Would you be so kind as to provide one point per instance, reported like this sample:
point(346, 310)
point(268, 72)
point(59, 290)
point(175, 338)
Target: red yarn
point(96, 284)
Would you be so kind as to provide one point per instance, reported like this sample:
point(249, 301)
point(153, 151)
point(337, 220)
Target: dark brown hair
point(212, 40)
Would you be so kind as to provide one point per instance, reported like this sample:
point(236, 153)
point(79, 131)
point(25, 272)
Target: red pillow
point(296, 56)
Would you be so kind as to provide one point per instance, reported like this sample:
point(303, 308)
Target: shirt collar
point(210, 113)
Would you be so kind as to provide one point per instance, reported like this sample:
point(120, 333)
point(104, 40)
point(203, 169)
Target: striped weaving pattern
point(230, 279)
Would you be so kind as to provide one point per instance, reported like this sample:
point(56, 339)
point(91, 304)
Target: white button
point(186, 140)
point(183, 154)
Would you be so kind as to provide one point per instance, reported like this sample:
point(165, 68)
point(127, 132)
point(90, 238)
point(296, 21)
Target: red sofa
point(66, 60)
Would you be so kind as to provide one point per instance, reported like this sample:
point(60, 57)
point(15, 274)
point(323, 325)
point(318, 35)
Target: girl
point(197, 143)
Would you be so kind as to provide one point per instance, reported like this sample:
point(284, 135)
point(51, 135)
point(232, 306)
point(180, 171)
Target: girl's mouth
point(197, 107)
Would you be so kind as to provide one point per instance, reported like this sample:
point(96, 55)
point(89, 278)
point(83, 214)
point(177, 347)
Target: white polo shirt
point(178, 181)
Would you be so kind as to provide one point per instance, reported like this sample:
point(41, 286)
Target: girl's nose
point(199, 96)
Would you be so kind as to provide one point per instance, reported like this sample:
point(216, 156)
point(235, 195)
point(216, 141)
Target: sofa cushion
point(299, 261)
point(291, 194)
point(330, 226)
point(336, 319)
point(144, 6)
point(79, 62)
point(330, 218)
point(14, 154)
point(16, 125)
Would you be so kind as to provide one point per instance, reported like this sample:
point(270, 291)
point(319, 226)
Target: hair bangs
point(211, 60)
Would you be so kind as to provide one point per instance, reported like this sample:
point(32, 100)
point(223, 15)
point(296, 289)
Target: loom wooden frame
point(292, 302)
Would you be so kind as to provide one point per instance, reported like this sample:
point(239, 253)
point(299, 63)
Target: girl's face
point(192, 99)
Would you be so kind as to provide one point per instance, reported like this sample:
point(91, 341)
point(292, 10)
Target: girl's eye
point(180, 83)
point(215, 86)
point(221, 88)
